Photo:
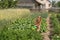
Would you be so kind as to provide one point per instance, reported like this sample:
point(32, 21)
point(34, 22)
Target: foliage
point(55, 23)
point(43, 25)
point(12, 3)
point(56, 37)
point(58, 3)
point(58, 16)
point(56, 27)
point(8, 3)
point(53, 3)
point(17, 34)
point(21, 28)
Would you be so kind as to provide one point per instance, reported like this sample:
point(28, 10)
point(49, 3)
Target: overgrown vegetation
point(56, 26)
point(8, 3)
point(17, 24)
point(21, 28)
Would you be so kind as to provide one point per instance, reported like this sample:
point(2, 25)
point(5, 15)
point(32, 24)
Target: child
point(38, 23)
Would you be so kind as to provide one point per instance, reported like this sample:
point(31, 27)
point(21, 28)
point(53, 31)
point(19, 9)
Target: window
point(49, 5)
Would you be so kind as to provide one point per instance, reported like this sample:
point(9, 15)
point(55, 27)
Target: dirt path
point(47, 33)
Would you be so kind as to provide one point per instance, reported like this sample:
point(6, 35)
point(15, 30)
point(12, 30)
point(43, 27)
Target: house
point(45, 3)
point(35, 4)
point(26, 3)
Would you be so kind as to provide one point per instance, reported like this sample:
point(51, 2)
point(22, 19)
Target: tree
point(8, 3)
point(53, 3)
point(58, 4)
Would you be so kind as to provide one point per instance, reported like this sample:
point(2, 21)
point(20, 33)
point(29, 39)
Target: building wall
point(48, 5)
point(32, 3)
point(45, 3)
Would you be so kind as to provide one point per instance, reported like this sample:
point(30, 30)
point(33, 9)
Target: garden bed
point(21, 28)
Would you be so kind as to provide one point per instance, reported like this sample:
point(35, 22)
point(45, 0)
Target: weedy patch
point(21, 28)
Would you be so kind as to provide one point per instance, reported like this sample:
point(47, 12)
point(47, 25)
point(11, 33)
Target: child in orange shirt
point(38, 23)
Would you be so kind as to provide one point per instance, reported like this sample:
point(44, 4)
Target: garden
point(21, 27)
point(19, 24)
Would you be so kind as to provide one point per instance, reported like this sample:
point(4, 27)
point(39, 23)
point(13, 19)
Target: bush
point(1, 4)
point(55, 24)
point(12, 3)
point(56, 37)
point(56, 27)
point(8, 3)
point(58, 16)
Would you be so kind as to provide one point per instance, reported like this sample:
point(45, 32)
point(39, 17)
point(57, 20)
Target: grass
point(9, 14)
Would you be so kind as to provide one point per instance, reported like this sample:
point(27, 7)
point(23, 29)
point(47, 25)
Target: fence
point(31, 7)
point(55, 9)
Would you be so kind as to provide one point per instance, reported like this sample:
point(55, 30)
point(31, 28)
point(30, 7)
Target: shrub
point(58, 16)
point(12, 3)
point(1, 4)
point(56, 37)
point(55, 23)
point(8, 3)
point(56, 27)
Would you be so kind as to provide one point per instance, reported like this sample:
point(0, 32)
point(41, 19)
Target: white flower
point(57, 36)
point(14, 0)
point(8, 28)
point(0, 0)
